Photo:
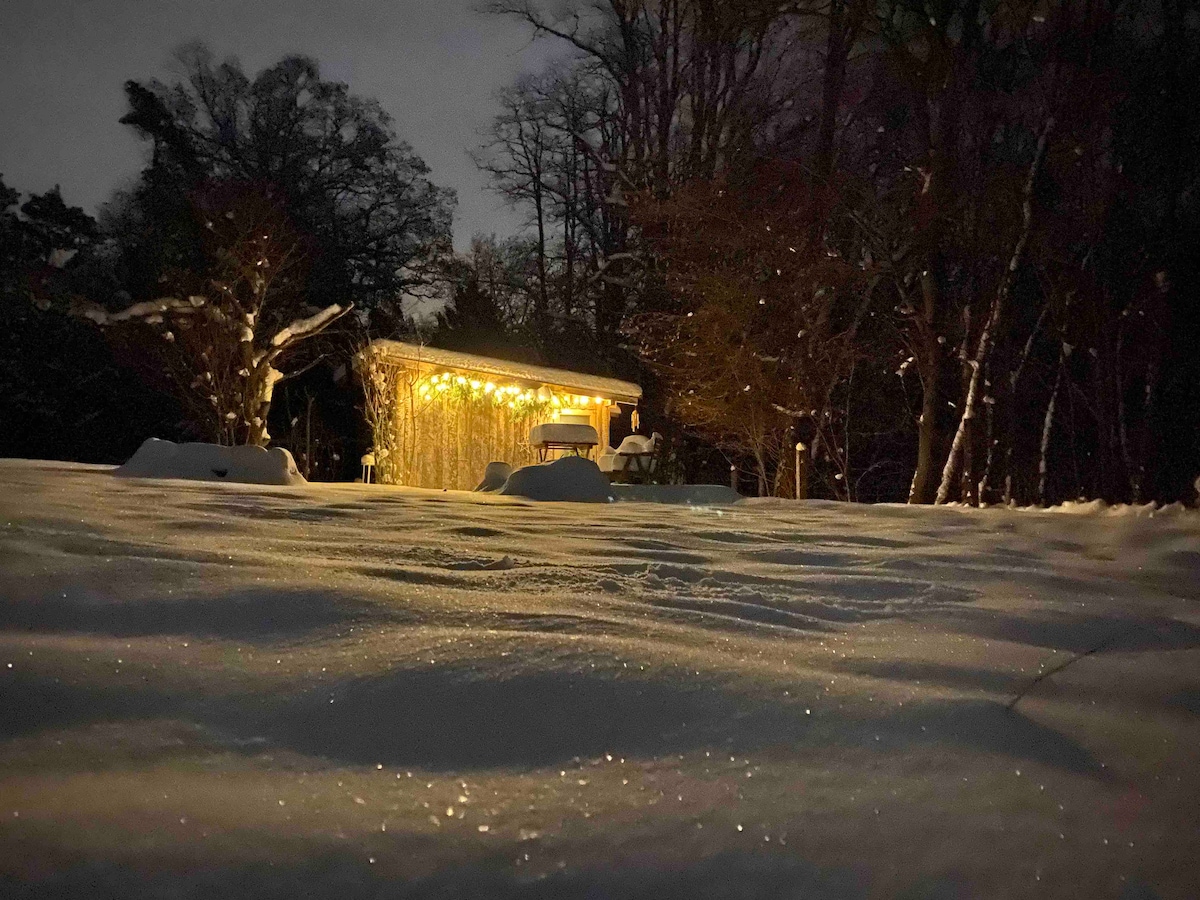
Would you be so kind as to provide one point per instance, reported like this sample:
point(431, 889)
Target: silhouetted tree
point(62, 393)
point(375, 224)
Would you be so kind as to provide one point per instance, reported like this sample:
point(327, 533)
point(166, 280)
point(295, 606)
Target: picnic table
point(550, 436)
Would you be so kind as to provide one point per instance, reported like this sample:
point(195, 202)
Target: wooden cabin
point(438, 417)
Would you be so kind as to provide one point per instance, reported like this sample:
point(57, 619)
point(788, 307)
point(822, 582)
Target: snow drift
point(211, 462)
point(571, 478)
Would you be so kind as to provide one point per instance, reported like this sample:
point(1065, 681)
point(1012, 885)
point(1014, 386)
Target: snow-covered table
point(579, 439)
point(635, 460)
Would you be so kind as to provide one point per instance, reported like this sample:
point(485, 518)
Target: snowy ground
point(212, 690)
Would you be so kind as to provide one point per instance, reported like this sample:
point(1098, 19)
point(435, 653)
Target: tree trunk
point(1013, 378)
point(982, 488)
point(921, 490)
point(843, 25)
point(1048, 424)
point(541, 311)
point(257, 406)
point(928, 361)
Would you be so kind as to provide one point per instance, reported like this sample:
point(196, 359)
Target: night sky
point(434, 66)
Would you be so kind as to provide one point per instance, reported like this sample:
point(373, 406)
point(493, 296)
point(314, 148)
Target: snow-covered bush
point(212, 462)
point(571, 478)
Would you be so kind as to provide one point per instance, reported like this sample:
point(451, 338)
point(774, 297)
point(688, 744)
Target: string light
point(543, 400)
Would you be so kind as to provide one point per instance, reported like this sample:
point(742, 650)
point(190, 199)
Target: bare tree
point(659, 93)
point(759, 335)
point(224, 331)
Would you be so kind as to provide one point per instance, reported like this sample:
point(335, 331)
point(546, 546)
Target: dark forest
point(950, 247)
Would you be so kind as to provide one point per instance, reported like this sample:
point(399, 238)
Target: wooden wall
point(447, 443)
point(446, 440)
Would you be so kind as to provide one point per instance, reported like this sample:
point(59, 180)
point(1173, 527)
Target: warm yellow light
point(475, 385)
point(442, 386)
point(598, 401)
point(433, 379)
point(488, 388)
point(584, 401)
point(460, 380)
point(556, 401)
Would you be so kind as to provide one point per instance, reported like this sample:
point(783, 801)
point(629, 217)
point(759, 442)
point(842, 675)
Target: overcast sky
point(433, 64)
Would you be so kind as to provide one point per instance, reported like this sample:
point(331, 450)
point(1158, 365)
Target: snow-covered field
point(216, 690)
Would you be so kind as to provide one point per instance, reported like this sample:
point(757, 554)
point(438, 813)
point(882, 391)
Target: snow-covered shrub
point(247, 464)
point(571, 478)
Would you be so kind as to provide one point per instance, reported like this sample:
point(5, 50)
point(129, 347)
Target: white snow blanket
point(363, 691)
point(572, 479)
point(211, 462)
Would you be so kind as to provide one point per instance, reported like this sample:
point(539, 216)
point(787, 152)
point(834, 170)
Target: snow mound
point(571, 478)
point(683, 494)
point(494, 476)
point(211, 462)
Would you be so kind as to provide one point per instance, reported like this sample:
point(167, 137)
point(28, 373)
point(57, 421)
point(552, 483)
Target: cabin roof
point(579, 382)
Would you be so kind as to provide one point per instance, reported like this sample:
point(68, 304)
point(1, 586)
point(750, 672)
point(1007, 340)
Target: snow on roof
point(609, 388)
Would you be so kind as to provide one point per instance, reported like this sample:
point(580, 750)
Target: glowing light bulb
point(488, 388)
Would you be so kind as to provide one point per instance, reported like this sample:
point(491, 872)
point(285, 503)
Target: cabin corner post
point(379, 378)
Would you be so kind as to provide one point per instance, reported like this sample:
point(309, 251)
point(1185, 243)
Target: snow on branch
point(148, 310)
point(314, 324)
point(601, 273)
